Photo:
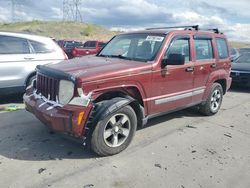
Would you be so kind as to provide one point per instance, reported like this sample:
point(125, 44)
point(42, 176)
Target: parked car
point(61, 43)
point(102, 99)
point(68, 46)
point(19, 56)
point(88, 48)
point(244, 50)
point(240, 72)
point(234, 54)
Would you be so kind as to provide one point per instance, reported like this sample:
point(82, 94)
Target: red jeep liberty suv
point(102, 99)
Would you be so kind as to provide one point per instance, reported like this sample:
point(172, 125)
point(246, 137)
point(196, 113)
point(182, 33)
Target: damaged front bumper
point(70, 119)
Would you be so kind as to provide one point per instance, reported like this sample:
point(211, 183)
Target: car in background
point(244, 50)
point(61, 43)
point(240, 72)
point(88, 48)
point(19, 56)
point(234, 54)
point(68, 46)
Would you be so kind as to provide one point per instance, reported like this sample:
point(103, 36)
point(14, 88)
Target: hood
point(89, 68)
point(241, 66)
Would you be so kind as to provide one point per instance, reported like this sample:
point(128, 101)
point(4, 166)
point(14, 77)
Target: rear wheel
point(114, 133)
point(214, 100)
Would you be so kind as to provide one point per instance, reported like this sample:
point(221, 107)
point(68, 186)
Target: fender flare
point(100, 111)
point(105, 108)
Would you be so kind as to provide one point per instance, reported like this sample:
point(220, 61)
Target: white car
point(19, 56)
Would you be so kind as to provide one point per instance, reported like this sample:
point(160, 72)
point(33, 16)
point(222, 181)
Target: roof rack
point(215, 30)
point(188, 27)
point(196, 27)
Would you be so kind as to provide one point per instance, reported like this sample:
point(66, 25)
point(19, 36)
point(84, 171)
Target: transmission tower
point(16, 6)
point(13, 10)
point(71, 10)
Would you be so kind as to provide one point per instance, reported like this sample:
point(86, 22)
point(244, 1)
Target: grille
point(47, 86)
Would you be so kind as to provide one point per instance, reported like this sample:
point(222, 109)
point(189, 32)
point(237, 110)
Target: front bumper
point(65, 119)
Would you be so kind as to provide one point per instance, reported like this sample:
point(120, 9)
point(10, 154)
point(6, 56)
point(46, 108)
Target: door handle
point(28, 58)
point(190, 69)
point(213, 65)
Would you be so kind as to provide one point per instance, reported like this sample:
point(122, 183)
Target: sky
point(231, 16)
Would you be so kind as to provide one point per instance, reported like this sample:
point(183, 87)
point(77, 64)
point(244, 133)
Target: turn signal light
point(80, 117)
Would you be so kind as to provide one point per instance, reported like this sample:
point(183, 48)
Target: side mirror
point(174, 59)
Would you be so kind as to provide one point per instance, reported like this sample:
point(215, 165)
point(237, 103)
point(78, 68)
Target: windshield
point(244, 50)
point(233, 51)
point(245, 58)
point(139, 47)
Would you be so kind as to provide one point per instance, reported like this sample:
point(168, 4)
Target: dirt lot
point(179, 150)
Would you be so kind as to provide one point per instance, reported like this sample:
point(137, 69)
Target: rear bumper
point(64, 119)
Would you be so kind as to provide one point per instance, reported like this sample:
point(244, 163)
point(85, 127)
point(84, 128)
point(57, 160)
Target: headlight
point(66, 91)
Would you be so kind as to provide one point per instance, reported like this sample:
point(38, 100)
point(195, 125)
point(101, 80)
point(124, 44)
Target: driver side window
point(179, 46)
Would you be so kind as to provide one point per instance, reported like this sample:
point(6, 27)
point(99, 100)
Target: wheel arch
point(28, 77)
point(219, 76)
point(104, 108)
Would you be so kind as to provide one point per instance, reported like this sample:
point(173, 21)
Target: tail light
point(65, 55)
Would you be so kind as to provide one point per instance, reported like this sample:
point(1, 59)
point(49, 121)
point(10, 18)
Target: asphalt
point(179, 150)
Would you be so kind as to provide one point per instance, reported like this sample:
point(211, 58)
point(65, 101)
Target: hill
point(60, 30)
point(72, 30)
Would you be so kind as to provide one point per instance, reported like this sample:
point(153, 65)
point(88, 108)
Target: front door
point(173, 84)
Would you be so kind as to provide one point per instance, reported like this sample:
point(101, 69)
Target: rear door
point(45, 52)
point(42, 53)
point(14, 56)
point(205, 63)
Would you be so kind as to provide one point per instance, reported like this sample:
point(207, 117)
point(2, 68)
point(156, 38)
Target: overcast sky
point(231, 16)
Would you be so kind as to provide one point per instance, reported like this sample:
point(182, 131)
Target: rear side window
point(222, 48)
point(13, 45)
point(203, 48)
point(39, 47)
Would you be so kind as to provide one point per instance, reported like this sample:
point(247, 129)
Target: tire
point(213, 102)
point(114, 133)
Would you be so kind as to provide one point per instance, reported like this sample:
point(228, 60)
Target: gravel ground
point(179, 150)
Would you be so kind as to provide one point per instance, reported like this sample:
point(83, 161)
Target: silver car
point(19, 56)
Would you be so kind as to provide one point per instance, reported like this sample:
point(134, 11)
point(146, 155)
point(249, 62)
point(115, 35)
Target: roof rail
point(188, 27)
point(196, 27)
point(215, 30)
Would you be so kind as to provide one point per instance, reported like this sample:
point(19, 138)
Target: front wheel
point(214, 100)
point(114, 133)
